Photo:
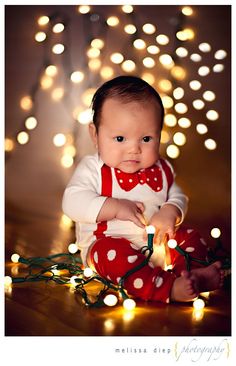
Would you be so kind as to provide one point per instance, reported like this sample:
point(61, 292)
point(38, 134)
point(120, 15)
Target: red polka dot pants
point(112, 258)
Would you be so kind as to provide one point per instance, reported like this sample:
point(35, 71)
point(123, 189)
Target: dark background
point(35, 178)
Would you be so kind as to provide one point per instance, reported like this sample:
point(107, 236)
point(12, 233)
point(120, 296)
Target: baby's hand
point(131, 211)
point(164, 222)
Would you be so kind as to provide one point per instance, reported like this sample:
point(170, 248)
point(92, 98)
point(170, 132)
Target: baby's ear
point(93, 134)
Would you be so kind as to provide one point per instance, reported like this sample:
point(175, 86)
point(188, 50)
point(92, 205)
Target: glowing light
point(106, 72)
point(58, 28)
point(116, 58)
point(73, 280)
point(43, 20)
point(198, 304)
point(58, 48)
point(26, 103)
point(93, 52)
point(139, 44)
point(215, 232)
point(149, 62)
point(97, 43)
point(209, 95)
point(56, 272)
point(129, 304)
point(165, 85)
point(195, 57)
point(162, 39)
point(77, 77)
point(9, 144)
point(167, 101)
point(149, 78)
point(150, 229)
point(181, 52)
point(165, 137)
point(40, 36)
point(88, 272)
point(51, 70)
point(110, 300)
point(178, 72)
point(172, 151)
point(198, 104)
point(154, 50)
point(181, 108)
point(59, 139)
point(184, 122)
point(212, 115)
point(67, 161)
point(72, 248)
point(113, 21)
point(185, 34)
point(205, 294)
point(187, 10)
point(15, 258)
point(203, 70)
point(172, 243)
point(195, 85)
point(130, 29)
point(31, 123)
point(197, 315)
point(94, 64)
point(109, 325)
point(83, 9)
point(128, 66)
point(218, 68)
point(178, 93)
point(170, 120)
point(85, 117)
point(7, 281)
point(220, 54)
point(204, 47)
point(166, 60)
point(127, 9)
point(70, 150)
point(210, 144)
point(201, 128)
point(65, 222)
point(57, 94)
point(46, 82)
point(22, 138)
point(149, 28)
point(179, 138)
point(87, 96)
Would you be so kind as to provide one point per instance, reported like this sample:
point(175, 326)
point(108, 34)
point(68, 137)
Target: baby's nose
point(134, 148)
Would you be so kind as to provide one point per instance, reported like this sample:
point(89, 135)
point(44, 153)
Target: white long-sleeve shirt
point(82, 202)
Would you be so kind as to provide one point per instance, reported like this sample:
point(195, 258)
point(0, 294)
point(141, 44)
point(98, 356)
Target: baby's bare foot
point(208, 278)
point(184, 288)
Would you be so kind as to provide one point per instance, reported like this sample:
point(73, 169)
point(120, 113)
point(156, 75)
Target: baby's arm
point(122, 209)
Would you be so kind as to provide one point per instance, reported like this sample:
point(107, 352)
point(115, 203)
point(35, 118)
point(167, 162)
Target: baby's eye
point(119, 138)
point(147, 138)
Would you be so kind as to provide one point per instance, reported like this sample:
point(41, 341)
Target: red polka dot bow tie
point(151, 176)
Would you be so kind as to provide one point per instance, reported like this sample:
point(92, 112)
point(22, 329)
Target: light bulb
point(15, 258)
point(31, 123)
point(198, 304)
point(212, 115)
point(150, 229)
point(215, 232)
point(72, 248)
point(110, 300)
point(58, 48)
point(22, 138)
point(172, 243)
point(59, 139)
point(88, 272)
point(129, 304)
point(210, 144)
point(7, 281)
point(72, 280)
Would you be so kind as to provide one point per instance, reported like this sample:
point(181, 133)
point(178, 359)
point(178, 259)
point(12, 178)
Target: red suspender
point(168, 172)
point(105, 191)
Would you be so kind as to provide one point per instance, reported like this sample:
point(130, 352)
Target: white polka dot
point(152, 170)
point(190, 249)
point(130, 180)
point(118, 279)
point(153, 278)
point(189, 231)
point(151, 264)
point(148, 179)
point(159, 281)
point(118, 171)
point(203, 241)
point(111, 254)
point(95, 257)
point(167, 300)
point(133, 246)
point(138, 283)
point(132, 258)
point(108, 277)
point(139, 173)
point(158, 188)
point(141, 181)
point(121, 180)
point(155, 179)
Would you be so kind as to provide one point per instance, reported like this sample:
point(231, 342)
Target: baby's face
point(129, 135)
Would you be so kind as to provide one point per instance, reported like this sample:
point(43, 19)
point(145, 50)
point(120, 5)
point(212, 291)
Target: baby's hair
point(127, 89)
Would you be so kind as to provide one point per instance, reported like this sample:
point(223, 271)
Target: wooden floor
point(49, 309)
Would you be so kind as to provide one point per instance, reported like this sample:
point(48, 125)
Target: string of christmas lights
point(144, 51)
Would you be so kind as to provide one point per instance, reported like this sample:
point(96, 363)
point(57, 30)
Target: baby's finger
point(140, 205)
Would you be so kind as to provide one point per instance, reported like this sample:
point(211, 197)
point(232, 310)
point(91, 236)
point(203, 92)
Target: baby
point(125, 186)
